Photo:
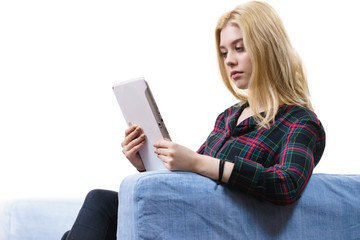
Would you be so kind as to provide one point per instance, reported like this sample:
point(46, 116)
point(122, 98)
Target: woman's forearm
point(209, 167)
point(179, 158)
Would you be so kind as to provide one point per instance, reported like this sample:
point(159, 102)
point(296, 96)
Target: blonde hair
point(277, 72)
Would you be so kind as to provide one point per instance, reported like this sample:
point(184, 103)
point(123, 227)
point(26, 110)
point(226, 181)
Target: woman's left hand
point(175, 156)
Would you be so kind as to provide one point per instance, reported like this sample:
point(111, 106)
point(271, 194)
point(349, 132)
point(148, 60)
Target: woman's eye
point(223, 54)
point(239, 49)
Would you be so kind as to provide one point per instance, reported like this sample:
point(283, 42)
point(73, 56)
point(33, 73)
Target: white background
point(60, 125)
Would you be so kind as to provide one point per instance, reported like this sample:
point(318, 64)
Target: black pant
point(97, 218)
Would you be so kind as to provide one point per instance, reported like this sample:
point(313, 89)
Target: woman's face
point(236, 59)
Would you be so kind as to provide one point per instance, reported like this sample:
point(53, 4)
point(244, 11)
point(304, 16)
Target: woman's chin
point(241, 84)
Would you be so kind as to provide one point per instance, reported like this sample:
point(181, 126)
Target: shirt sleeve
point(283, 182)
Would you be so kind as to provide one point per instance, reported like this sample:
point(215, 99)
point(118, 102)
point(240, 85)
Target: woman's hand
point(175, 156)
point(133, 142)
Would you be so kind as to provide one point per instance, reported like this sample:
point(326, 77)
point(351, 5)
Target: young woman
point(266, 145)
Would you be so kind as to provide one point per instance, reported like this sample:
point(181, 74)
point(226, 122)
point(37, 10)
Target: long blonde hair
point(277, 72)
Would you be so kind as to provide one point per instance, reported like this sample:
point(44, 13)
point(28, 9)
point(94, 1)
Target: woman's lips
point(236, 74)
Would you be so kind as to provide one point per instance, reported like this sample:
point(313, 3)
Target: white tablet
point(139, 107)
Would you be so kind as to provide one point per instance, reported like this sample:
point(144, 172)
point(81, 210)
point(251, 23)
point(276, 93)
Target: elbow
point(290, 198)
point(282, 199)
point(284, 192)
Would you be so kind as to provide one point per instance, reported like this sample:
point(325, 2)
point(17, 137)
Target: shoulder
point(291, 117)
point(301, 121)
point(295, 113)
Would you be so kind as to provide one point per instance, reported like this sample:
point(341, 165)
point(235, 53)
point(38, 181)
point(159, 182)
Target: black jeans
point(97, 218)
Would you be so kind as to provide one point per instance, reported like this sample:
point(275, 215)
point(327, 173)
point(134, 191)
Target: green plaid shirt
point(273, 164)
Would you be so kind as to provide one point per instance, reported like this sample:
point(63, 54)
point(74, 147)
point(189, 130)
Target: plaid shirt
point(273, 164)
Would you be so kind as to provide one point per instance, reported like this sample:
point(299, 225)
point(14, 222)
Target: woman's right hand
point(133, 142)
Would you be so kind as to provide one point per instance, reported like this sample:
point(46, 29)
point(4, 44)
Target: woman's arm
point(284, 180)
point(280, 183)
point(179, 158)
point(209, 167)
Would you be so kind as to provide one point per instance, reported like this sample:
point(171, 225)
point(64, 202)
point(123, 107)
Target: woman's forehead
point(230, 34)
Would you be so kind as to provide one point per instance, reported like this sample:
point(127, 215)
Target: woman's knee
point(100, 197)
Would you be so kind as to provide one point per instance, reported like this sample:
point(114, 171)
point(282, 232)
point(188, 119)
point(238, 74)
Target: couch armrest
point(178, 205)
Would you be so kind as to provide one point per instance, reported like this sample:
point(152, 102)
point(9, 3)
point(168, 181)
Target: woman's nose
point(230, 59)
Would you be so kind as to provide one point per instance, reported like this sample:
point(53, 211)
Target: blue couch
point(177, 205)
point(165, 205)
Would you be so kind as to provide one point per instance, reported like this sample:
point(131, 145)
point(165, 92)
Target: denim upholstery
point(177, 205)
point(165, 205)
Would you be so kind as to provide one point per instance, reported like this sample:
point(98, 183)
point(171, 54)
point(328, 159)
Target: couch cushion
point(31, 219)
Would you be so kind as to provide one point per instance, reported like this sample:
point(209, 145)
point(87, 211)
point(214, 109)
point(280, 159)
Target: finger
point(132, 150)
point(139, 140)
point(166, 162)
point(135, 149)
point(130, 135)
point(162, 143)
point(130, 129)
point(161, 151)
point(164, 158)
